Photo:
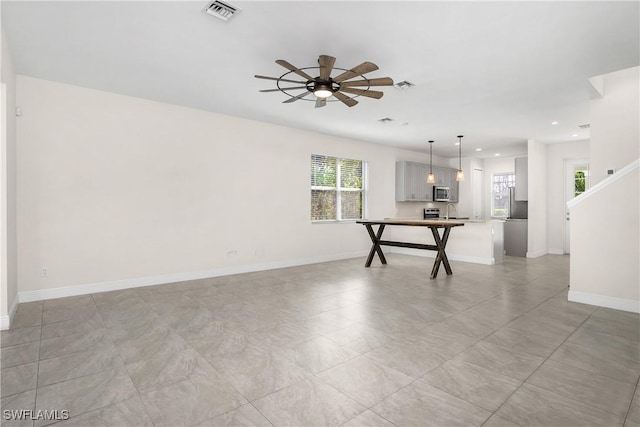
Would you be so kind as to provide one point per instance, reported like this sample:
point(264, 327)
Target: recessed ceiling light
point(478, 149)
point(497, 154)
point(554, 123)
point(575, 134)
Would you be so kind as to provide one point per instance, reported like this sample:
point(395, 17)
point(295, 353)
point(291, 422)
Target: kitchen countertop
point(453, 219)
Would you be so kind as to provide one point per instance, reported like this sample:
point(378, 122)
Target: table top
point(438, 223)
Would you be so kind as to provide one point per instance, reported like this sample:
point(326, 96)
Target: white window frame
point(493, 193)
point(339, 190)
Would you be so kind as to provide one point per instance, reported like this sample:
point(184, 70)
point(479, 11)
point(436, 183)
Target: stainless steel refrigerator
point(516, 228)
point(517, 210)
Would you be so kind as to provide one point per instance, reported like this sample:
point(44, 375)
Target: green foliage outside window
point(581, 182)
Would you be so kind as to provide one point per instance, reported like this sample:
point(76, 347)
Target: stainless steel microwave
point(441, 194)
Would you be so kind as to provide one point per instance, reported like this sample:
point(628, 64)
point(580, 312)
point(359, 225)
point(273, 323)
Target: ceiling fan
point(324, 86)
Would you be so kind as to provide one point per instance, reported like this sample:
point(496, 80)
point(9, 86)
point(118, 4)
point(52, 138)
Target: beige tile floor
point(328, 345)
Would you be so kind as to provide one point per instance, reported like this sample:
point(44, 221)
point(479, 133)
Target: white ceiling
point(497, 72)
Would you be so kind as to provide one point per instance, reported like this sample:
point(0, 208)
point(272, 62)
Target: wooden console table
point(434, 225)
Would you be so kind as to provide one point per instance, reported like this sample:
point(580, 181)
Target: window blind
point(337, 188)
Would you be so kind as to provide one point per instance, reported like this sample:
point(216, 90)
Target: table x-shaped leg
point(441, 243)
point(375, 239)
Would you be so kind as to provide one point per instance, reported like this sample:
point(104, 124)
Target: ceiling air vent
point(385, 120)
point(585, 126)
point(221, 10)
point(403, 85)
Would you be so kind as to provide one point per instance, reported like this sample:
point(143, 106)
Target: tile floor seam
point(583, 346)
point(315, 374)
point(260, 412)
point(459, 398)
point(35, 402)
point(444, 391)
point(223, 375)
point(635, 389)
point(490, 298)
point(353, 398)
point(93, 409)
point(608, 359)
point(536, 370)
point(74, 378)
point(124, 366)
point(383, 417)
point(135, 387)
point(527, 312)
point(72, 353)
point(368, 409)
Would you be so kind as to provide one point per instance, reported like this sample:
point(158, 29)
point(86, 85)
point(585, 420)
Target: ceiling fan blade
point(349, 102)
point(382, 81)
point(296, 70)
point(365, 67)
point(368, 93)
point(295, 98)
point(326, 66)
point(321, 102)
point(284, 88)
point(278, 79)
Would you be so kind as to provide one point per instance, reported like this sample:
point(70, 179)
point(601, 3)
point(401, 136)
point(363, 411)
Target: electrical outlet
point(45, 272)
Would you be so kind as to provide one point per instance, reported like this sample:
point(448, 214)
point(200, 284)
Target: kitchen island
point(440, 241)
point(479, 241)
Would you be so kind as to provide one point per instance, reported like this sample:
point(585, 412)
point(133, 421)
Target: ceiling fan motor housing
point(319, 84)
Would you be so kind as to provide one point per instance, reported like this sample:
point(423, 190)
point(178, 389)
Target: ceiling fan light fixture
point(322, 93)
point(321, 89)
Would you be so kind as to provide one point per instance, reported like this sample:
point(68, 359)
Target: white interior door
point(576, 181)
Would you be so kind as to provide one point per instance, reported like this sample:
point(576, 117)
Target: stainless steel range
point(431, 213)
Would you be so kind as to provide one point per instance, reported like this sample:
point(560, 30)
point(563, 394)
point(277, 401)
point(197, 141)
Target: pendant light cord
point(431, 157)
point(460, 153)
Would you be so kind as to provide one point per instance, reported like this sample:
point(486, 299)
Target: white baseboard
point(556, 251)
point(5, 321)
point(604, 301)
point(536, 254)
point(432, 254)
point(91, 288)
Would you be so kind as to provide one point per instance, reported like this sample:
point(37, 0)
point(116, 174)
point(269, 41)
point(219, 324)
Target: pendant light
point(431, 179)
point(460, 174)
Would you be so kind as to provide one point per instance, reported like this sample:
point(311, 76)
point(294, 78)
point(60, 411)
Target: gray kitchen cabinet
point(450, 181)
point(522, 179)
point(440, 176)
point(446, 177)
point(411, 182)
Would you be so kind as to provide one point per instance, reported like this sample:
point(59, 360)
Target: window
point(581, 179)
point(337, 188)
point(500, 193)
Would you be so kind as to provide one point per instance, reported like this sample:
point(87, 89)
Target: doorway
point(576, 183)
